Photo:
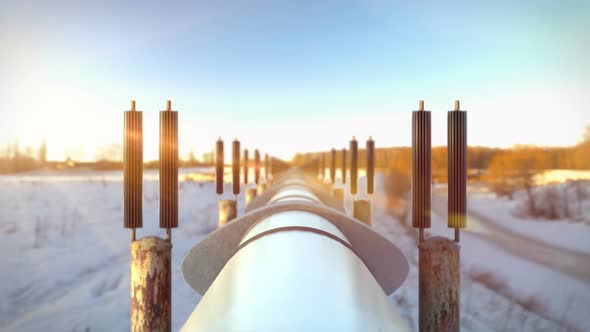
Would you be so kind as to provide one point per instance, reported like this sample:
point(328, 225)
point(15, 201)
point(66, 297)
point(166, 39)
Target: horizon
point(227, 153)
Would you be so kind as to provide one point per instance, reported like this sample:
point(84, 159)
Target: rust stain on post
point(439, 282)
point(151, 284)
point(362, 210)
point(227, 211)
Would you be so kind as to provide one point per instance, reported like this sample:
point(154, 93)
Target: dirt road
point(567, 261)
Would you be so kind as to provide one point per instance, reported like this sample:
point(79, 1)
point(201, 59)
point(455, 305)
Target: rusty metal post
point(362, 210)
point(228, 210)
point(439, 285)
point(151, 285)
point(250, 195)
point(338, 193)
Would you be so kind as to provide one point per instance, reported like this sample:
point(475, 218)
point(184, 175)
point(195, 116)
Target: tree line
point(479, 158)
point(504, 171)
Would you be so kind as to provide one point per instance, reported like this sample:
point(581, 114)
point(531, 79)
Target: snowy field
point(74, 275)
point(66, 260)
point(499, 291)
point(562, 232)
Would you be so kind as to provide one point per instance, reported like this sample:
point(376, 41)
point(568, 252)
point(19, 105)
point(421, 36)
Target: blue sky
point(289, 76)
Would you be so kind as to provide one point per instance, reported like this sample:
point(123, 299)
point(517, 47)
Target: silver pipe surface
point(294, 271)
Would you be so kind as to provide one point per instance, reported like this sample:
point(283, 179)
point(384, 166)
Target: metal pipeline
point(295, 262)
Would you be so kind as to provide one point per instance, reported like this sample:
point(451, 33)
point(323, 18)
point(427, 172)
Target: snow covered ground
point(561, 175)
point(74, 276)
point(566, 233)
point(558, 298)
point(499, 291)
point(65, 262)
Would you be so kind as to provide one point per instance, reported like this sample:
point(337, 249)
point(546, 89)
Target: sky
point(291, 76)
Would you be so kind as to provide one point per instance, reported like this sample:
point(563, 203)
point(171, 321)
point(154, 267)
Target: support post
point(333, 166)
point(362, 210)
point(250, 195)
point(228, 210)
point(439, 285)
point(338, 193)
point(151, 285)
point(260, 188)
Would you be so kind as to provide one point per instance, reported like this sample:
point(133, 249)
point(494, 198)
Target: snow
point(74, 274)
point(561, 175)
point(558, 296)
point(561, 232)
point(499, 291)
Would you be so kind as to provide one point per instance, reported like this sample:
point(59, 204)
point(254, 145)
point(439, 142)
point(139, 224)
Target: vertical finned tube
point(333, 166)
point(270, 174)
point(256, 167)
point(219, 165)
point(236, 167)
point(266, 168)
point(168, 169)
point(133, 170)
point(370, 166)
point(353, 166)
point(344, 166)
point(361, 208)
point(323, 168)
point(421, 167)
point(246, 161)
point(457, 168)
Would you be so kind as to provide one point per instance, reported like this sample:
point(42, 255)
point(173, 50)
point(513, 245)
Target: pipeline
point(295, 261)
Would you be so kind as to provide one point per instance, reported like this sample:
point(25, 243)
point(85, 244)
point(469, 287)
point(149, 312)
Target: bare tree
point(515, 170)
point(398, 183)
point(208, 158)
